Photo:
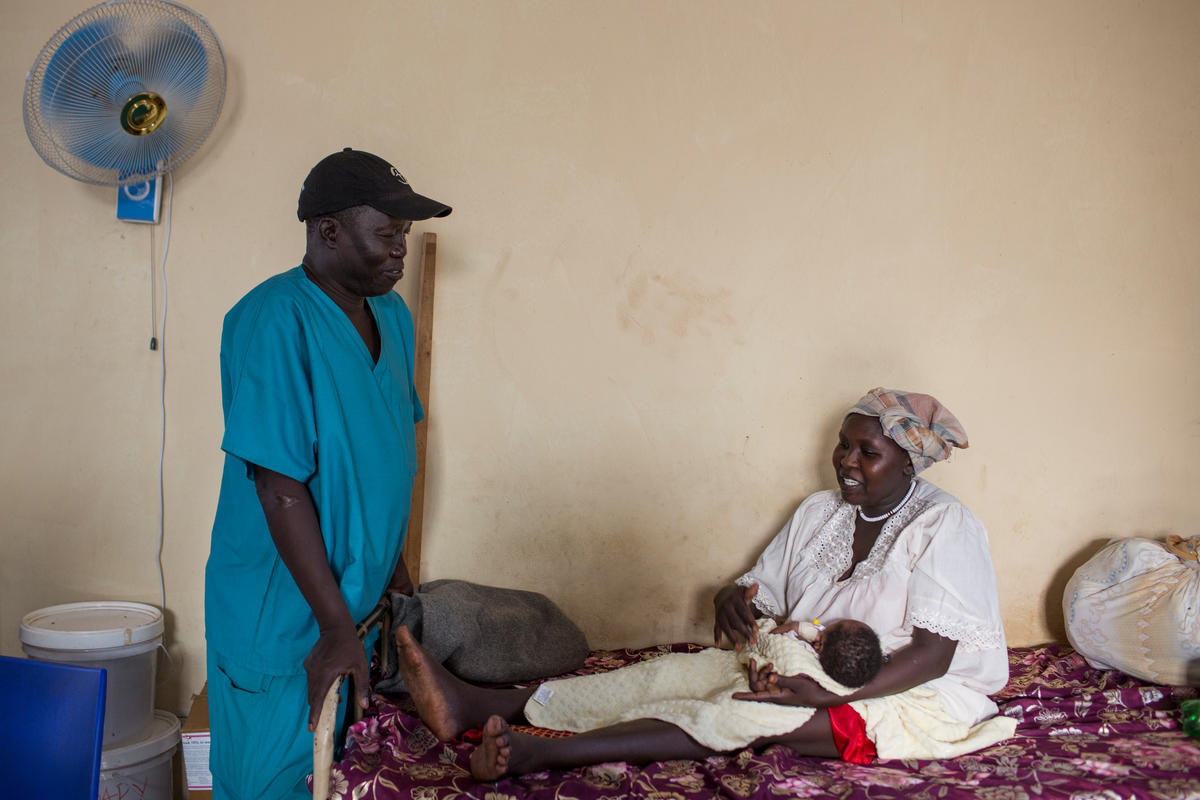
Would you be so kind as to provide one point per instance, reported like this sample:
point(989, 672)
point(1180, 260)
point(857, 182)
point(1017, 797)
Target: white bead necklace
point(911, 487)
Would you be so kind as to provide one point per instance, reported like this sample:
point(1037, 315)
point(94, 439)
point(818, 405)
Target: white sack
point(1135, 607)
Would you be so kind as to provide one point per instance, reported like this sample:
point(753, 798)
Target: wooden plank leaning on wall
point(421, 371)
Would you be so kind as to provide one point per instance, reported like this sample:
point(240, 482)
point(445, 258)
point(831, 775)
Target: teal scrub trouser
point(261, 748)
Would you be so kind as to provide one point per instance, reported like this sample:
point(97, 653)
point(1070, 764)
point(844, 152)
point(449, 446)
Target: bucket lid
point(160, 736)
point(91, 626)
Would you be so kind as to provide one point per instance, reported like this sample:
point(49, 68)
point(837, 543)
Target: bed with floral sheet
point(1081, 733)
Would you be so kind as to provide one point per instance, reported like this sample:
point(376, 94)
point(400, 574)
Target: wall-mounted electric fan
point(125, 91)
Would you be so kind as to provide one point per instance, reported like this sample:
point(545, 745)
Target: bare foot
point(489, 761)
point(435, 691)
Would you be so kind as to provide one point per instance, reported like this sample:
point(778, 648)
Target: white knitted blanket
point(691, 690)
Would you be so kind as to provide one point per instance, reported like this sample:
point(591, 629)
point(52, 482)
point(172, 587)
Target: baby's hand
point(787, 627)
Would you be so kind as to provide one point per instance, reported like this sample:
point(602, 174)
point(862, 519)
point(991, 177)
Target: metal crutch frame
point(325, 732)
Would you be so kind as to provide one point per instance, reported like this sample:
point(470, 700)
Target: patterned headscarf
point(916, 422)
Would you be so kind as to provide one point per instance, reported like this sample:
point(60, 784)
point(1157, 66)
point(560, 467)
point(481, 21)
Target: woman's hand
point(734, 616)
point(767, 686)
point(337, 652)
point(762, 679)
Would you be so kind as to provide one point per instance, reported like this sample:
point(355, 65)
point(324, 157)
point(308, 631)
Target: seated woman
point(888, 549)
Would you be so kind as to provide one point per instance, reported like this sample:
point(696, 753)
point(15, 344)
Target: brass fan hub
point(142, 113)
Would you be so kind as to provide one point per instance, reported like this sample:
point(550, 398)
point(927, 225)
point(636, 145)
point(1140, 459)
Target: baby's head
point(850, 652)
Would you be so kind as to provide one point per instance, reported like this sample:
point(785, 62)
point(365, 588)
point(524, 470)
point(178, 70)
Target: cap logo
point(396, 174)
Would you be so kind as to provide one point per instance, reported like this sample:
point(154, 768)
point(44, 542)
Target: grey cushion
point(486, 634)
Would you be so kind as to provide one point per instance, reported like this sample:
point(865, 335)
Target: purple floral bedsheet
point(1082, 733)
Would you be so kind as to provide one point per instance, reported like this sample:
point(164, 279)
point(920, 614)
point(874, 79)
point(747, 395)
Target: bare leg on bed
point(504, 751)
point(447, 704)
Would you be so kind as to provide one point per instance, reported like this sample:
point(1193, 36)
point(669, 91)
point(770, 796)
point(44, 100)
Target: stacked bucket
point(124, 639)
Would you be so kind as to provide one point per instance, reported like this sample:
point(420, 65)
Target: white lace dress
point(930, 568)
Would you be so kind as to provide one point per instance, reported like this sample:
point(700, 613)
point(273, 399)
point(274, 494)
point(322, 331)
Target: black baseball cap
point(358, 178)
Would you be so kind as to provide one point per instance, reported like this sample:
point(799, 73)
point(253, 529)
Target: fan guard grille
point(88, 72)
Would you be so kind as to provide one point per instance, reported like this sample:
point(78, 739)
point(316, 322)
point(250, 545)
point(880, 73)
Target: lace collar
point(832, 546)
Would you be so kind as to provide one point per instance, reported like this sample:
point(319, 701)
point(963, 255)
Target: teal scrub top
point(302, 397)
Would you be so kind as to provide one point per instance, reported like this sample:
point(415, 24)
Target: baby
point(848, 649)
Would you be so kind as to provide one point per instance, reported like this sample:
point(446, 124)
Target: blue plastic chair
point(51, 729)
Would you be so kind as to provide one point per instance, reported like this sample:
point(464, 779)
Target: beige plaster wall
point(686, 235)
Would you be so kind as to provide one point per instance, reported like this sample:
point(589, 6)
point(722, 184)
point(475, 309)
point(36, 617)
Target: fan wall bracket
point(140, 202)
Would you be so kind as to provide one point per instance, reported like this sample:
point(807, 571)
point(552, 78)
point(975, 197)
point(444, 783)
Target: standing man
point(320, 455)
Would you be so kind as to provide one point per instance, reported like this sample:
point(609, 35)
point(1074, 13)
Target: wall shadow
point(1056, 623)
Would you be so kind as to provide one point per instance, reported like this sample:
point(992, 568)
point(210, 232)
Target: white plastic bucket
point(142, 769)
point(122, 638)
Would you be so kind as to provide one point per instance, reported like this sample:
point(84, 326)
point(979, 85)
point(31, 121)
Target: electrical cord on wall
point(160, 343)
point(153, 295)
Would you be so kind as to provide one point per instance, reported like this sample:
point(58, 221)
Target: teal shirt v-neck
point(303, 397)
